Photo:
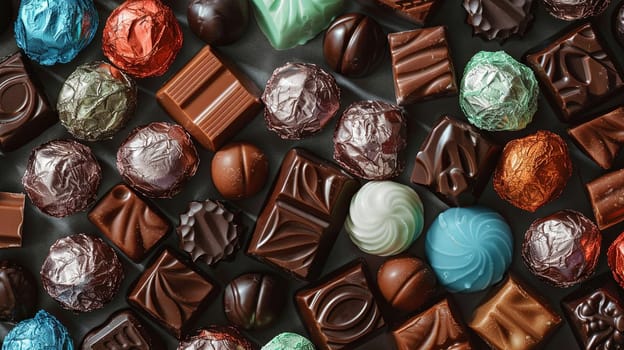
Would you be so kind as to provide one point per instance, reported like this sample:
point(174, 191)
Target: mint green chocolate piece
point(290, 341)
point(288, 23)
point(497, 92)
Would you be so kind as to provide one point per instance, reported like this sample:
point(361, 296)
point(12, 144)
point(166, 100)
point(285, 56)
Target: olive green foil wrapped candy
point(96, 101)
point(497, 92)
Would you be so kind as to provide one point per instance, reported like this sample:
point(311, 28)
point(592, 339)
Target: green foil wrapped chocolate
point(497, 92)
point(96, 101)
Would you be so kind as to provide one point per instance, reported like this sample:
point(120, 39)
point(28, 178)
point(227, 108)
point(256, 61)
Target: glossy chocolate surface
point(601, 138)
point(416, 11)
point(571, 10)
point(407, 283)
point(254, 300)
point(11, 219)
point(218, 22)
point(239, 170)
point(216, 338)
point(122, 330)
point(615, 259)
point(498, 19)
point(18, 292)
point(606, 193)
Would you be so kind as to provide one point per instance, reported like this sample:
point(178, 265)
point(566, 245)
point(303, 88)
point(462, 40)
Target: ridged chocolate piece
point(303, 214)
point(208, 231)
point(455, 161)
point(171, 292)
point(514, 318)
point(24, 109)
point(129, 222)
point(601, 138)
point(254, 300)
point(18, 292)
point(416, 11)
point(407, 283)
point(11, 219)
point(210, 98)
point(122, 330)
point(571, 10)
point(576, 73)
point(421, 65)
point(499, 19)
point(606, 193)
point(340, 312)
point(216, 338)
point(439, 327)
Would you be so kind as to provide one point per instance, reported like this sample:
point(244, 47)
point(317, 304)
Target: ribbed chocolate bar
point(123, 330)
point(601, 138)
point(210, 99)
point(11, 219)
point(606, 193)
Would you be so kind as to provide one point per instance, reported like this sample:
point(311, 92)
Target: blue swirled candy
point(469, 249)
point(54, 31)
point(43, 331)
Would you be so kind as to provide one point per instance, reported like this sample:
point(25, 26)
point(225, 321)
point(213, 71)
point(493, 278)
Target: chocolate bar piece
point(576, 73)
point(210, 99)
point(341, 311)
point(455, 162)
point(416, 11)
point(606, 193)
point(123, 330)
point(11, 219)
point(421, 65)
point(601, 138)
point(171, 292)
point(299, 223)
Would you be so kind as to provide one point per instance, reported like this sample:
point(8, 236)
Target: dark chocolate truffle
point(407, 283)
point(239, 170)
point(370, 139)
point(354, 45)
point(81, 272)
point(618, 24)
point(254, 300)
point(217, 338)
point(300, 99)
point(157, 159)
point(571, 10)
point(218, 22)
point(18, 292)
point(498, 19)
point(62, 177)
point(562, 248)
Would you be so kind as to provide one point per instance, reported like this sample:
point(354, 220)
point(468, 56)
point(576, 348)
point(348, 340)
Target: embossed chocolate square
point(455, 161)
point(576, 72)
point(340, 311)
point(11, 219)
point(122, 330)
point(601, 138)
point(129, 222)
point(421, 65)
point(303, 215)
point(514, 318)
point(416, 11)
point(171, 292)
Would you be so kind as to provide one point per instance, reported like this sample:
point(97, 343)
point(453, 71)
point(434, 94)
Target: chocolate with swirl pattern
point(123, 330)
point(601, 138)
point(498, 19)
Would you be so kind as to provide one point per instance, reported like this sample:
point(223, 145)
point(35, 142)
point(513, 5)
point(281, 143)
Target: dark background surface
point(257, 58)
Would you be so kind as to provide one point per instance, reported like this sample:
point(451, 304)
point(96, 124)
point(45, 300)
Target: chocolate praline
point(407, 283)
point(571, 10)
point(218, 22)
point(498, 19)
point(217, 338)
point(18, 292)
point(239, 170)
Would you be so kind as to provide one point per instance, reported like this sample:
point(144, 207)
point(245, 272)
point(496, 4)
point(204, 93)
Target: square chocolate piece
point(513, 318)
point(341, 311)
point(606, 193)
point(303, 215)
point(123, 330)
point(421, 65)
point(439, 327)
point(455, 161)
point(24, 109)
point(11, 219)
point(129, 222)
point(416, 11)
point(576, 73)
point(602, 138)
point(210, 98)
point(171, 292)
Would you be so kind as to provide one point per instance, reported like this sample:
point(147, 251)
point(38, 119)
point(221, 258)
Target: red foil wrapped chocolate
point(142, 38)
point(615, 258)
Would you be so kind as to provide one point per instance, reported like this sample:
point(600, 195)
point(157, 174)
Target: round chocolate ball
point(218, 22)
point(18, 292)
point(254, 300)
point(216, 337)
point(571, 10)
point(407, 283)
point(618, 24)
point(43, 331)
point(354, 45)
point(615, 259)
point(157, 159)
point(62, 177)
point(239, 170)
point(562, 249)
point(82, 273)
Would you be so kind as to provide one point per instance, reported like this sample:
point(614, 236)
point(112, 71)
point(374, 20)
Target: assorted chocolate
point(407, 283)
point(217, 338)
point(605, 194)
point(499, 19)
point(239, 170)
point(601, 138)
point(218, 22)
point(11, 219)
point(122, 330)
point(18, 292)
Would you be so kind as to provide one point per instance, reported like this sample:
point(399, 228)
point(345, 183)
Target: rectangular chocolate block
point(455, 161)
point(341, 311)
point(301, 218)
point(439, 327)
point(24, 109)
point(576, 73)
point(210, 98)
point(129, 222)
point(421, 65)
point(123, 330)
point(606, 194)
point(416, 11)
point(11, 219)
point(171, 292)
point(602, 138)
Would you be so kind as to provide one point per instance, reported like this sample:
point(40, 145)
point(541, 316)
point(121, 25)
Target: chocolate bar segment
point(210, 99)
point(11, 219)
point(576, 73)
point(299, 223)
point(601, 138)
point(123, 330)
point(416, 11)
point(606, 193)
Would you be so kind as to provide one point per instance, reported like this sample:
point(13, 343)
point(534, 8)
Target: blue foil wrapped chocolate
point(43, 331)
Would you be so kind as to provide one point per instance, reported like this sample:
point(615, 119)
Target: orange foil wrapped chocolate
point(615, 258)
point(533, 170)
point(142, 38)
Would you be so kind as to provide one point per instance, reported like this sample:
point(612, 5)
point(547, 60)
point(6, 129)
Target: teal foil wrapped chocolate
point(291, 341)
point(288, 23)
point(497, 92)
point(43, 331)
point(55, 31)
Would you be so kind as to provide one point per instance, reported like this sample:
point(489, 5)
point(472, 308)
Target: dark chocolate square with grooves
point(123, 330)
point(602, 138)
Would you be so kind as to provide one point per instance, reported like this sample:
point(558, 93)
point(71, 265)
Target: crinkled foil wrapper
point(55, 31)
point(216, 337)
point(497, 92)
point(43, 331)
point(96, 101)
point(571, 10)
